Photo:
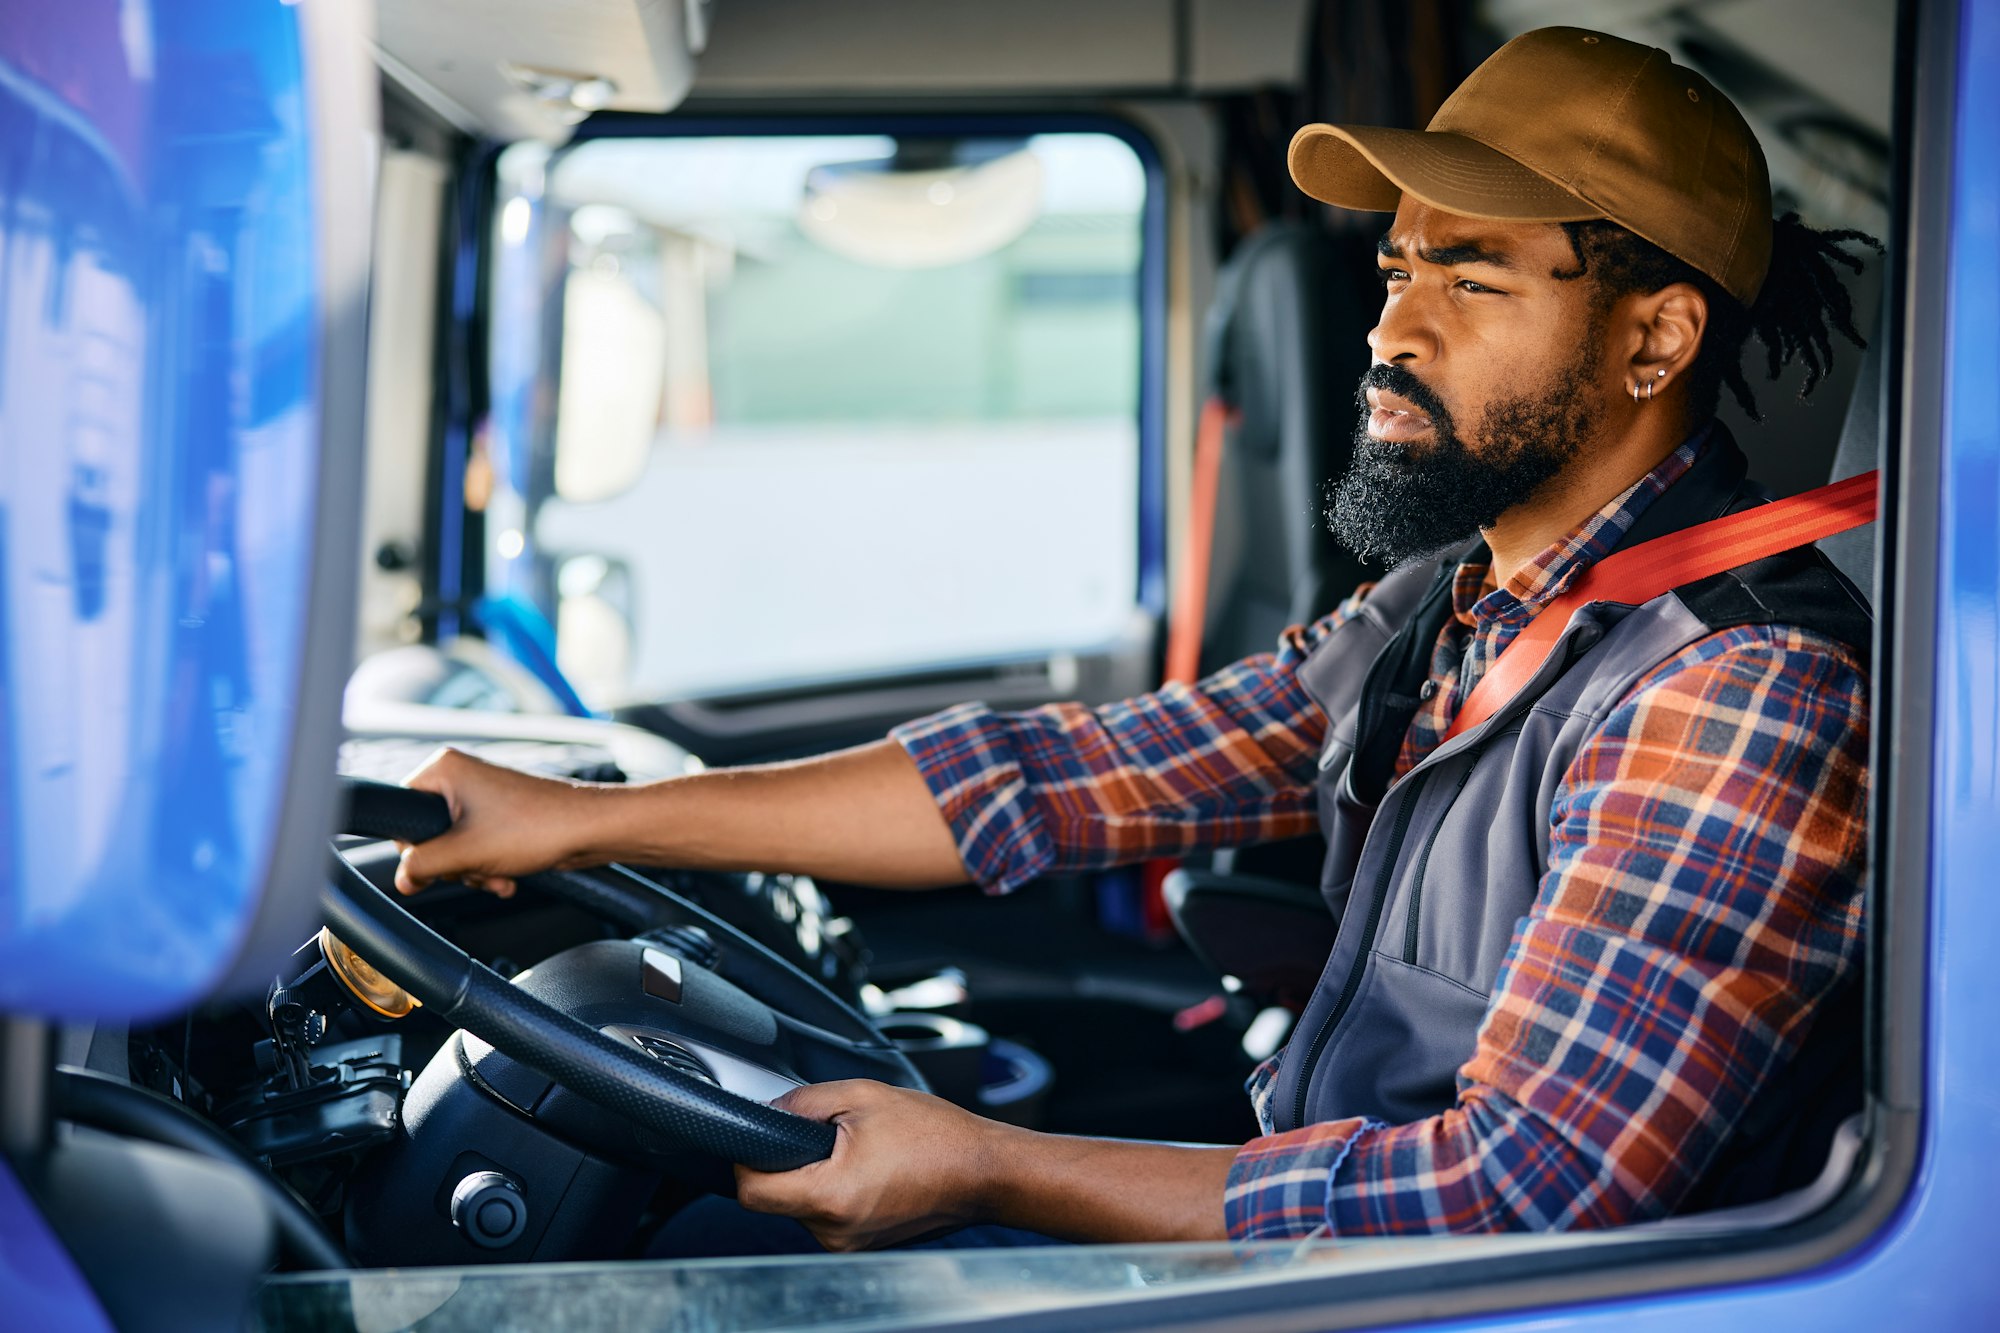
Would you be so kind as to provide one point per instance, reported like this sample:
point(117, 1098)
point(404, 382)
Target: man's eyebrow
point(1450, 256)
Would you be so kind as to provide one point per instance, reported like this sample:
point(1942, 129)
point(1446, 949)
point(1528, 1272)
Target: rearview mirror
point(871, 213)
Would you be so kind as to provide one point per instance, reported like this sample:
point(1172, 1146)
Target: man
point(1582, 945)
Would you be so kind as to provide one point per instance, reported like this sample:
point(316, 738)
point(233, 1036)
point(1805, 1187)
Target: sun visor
point(186, 242)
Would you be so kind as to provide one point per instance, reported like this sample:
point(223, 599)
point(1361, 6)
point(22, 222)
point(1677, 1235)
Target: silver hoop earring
point(1635, 391)
point(1649, 391)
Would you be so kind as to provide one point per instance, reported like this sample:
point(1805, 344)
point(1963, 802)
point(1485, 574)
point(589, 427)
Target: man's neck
point(1597, 477)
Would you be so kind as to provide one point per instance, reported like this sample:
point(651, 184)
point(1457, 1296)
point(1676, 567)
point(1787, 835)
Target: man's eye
point(1472, 286)
point(1389, 275)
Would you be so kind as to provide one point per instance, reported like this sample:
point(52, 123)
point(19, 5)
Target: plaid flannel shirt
point(1703, 894)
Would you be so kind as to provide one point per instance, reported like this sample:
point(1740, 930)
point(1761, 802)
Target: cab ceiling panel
point(457, 54)
point(1838, 50)
point(956, 46)
point(804, 48)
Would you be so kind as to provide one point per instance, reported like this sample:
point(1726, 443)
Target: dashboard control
point(489, 1207)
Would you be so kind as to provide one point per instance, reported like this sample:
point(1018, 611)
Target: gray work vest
point(1429, 874)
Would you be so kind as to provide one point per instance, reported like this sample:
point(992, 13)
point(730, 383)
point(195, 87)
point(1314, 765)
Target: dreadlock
point(1802, 304)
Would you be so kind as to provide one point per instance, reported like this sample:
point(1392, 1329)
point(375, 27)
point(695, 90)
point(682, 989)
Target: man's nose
point(1403, 335)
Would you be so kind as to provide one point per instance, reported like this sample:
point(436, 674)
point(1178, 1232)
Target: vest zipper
point(1424, 861)
point(1353, 982)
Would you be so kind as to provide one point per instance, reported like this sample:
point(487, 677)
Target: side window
point(777, 410)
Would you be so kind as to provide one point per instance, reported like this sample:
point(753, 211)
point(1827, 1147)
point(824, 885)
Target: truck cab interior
point(735, 380)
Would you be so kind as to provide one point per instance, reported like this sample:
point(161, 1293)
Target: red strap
point(1636, 576)
point(1191, 602)
point(1184, 630)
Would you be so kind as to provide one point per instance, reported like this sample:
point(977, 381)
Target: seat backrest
point(1859, 449)
point(1286, 348)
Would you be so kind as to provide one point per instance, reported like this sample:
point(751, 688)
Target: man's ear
point(1670, 324)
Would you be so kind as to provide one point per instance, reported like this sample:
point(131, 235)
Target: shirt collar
point(1477, 601)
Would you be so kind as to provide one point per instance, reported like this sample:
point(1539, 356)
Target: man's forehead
point(1428, 232)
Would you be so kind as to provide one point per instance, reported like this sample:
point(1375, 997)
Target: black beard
point(1400, 503)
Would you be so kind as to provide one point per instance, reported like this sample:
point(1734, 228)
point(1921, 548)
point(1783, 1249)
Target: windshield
point(787, 387)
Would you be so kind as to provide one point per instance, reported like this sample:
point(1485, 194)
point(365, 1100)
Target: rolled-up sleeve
point(1279, 1184)
point(1226, 761)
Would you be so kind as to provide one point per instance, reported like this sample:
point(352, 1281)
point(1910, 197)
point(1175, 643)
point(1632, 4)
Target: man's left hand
point(904, 1164)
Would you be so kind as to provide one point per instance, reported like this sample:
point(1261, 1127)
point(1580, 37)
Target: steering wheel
point(681, 1110)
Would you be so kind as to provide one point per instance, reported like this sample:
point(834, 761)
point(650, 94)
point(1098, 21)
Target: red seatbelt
point(1636, 576)
point(1190, 614)
point(1191, 602)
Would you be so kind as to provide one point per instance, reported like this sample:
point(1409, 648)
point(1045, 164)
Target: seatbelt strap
point(1636, 576)
point(1184, 631)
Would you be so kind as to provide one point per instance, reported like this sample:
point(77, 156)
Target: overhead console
point(542, 67)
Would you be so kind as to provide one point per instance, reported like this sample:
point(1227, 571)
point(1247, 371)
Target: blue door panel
point(158, 358)
point(38, 1282)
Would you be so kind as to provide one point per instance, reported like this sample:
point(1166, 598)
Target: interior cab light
point(570, 90)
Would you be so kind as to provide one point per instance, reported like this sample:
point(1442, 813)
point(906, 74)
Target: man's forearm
point(862, 814)
point(1106, 1190)
point(907, 1164)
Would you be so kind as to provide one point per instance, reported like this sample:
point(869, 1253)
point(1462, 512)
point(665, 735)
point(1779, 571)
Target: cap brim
point(1370, 168)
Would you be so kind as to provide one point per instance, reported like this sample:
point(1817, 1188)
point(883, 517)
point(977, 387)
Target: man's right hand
point(504, 824)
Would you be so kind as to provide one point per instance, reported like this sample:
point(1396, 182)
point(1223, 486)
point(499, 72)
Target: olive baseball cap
point(1562, 125)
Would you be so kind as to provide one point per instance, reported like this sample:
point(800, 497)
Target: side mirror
point(613, 374)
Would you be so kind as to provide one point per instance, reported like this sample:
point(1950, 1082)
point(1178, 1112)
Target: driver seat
point(1291, 310)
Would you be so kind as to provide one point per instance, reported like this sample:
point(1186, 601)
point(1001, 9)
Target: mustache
point(1391, 378)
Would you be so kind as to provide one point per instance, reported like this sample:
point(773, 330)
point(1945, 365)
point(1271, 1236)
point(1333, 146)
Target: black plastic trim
point(89, 1098)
